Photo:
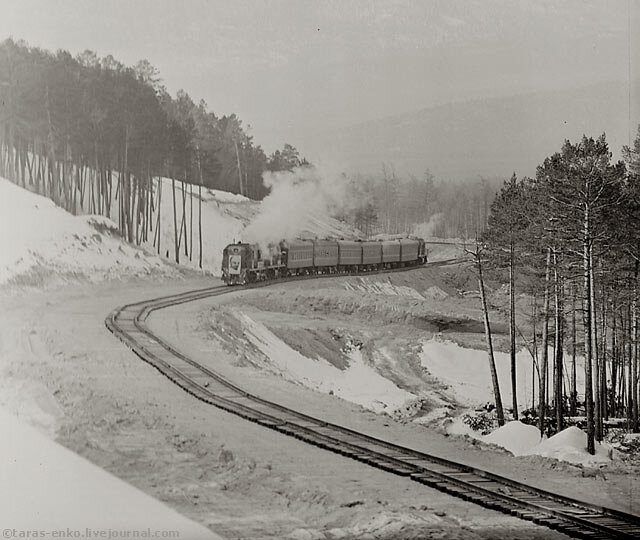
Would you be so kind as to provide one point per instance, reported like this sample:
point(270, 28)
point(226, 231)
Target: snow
point(226, 197)
point(382, 287)
point(224, 216)
point(569, 445)
point(516, 437)
point(466, 372)
point(35, 235)
point(359, 383)
point(47, 487)
point(456, 426)
point(31, 402)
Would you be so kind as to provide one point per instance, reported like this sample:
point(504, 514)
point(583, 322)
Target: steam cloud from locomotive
point(297, 199)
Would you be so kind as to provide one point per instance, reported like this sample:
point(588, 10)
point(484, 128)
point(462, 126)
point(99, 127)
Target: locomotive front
point(234, 263)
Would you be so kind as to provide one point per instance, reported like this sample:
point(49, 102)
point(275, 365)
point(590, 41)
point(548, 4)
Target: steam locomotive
point(244, 263)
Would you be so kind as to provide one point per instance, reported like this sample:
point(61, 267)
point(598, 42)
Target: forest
point(426, 206)
point(87, 132)
point(569, 239)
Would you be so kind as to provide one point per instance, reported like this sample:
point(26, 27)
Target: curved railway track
point(572, 517)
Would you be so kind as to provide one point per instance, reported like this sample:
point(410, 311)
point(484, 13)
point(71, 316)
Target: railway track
point(572, 517)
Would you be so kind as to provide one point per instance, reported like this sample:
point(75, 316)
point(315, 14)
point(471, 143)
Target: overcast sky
point(292, 67)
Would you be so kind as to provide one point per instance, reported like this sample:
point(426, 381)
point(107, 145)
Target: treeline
point(570, 238)
point(390, 204)
point(97, 136)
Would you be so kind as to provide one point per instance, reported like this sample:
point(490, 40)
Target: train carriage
point(409, 248)
point(299, 255)
point(390, 252)
point(371, 254)
point(325, 255)
point(349, 253)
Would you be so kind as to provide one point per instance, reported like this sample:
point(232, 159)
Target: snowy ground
point(236, 478)
point(38, 470)
point(466, 372)
point(410, 330)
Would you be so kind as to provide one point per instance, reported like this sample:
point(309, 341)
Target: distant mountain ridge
point(489, 137)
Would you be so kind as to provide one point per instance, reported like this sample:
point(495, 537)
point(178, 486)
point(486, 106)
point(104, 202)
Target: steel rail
point(573, 517)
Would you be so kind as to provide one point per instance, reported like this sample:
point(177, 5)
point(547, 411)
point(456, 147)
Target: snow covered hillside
point(38, 240)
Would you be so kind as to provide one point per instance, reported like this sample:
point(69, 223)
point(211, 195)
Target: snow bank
point(569, 445)
point(227, 197)
point(516, 437)
point(466, 372)
point(38, 237)
point(382, 287)
point(359, 383)
point(47, 487)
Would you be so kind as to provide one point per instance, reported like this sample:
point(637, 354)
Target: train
point(244, 263)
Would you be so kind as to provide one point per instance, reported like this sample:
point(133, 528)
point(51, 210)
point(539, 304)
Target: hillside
point(490, 137)
point(43, 245)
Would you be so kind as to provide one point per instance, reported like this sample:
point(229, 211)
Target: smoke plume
point(428, 229)
point(301, 203)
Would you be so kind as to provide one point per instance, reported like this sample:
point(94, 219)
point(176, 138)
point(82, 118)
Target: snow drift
point(37, 238)
point(568, 445)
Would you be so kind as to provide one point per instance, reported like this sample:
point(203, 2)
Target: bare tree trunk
point(542, 410)
point(614, 355)
point(158, 226)
point(487, 333)
point(634, 358)
point(595, 352)
point(109, 192)
point(183, 222)
point(235, 144)
point(587, 323)
point(604, 402)
point(512, 332)
point(573, 402)
point(629, 370)
point(199, 211)
point(534, 355)
point(175, 222)
point(191, 222)
point(52, 150)
point(200, 225)
point(559, 334)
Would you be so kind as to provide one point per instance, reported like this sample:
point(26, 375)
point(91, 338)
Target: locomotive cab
point(246, 263)
point(235, 259)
